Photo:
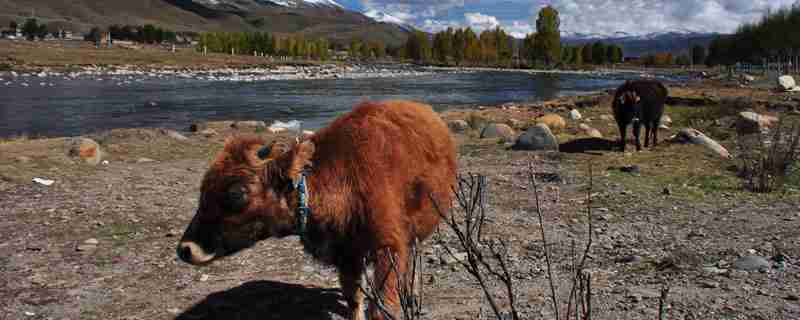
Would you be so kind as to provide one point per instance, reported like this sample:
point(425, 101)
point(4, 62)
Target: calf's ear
point(287, 166)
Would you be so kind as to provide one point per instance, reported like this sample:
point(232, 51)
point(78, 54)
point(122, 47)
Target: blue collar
point(303, 211)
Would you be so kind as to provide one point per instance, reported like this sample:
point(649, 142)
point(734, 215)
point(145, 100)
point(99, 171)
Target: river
point(59, 106)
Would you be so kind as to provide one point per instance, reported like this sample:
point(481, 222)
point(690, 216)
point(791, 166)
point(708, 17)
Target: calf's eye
point(235, 199)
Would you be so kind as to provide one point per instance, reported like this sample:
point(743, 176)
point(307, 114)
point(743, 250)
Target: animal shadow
point(269, 300)
point(588, 145)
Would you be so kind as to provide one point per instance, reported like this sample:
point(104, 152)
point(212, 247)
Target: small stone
point(208, 133)
point(715, 270)
point(174, 311)
point(204, 278)
point(629, 259)
point(708, 284)
point(144, 160)
point(23, 159)
point(91, 241)
point(197, 127)
point(575, 115)
point(634, 169)
point(308, 269)
point(538, 137)
point(666, 191)
point(86, 248)
point(792, 297)
point(751, 263)
point(448, 259)
point(498, 130)
point(174, 134)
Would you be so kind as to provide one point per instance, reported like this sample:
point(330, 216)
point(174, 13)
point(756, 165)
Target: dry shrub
point(767, 160)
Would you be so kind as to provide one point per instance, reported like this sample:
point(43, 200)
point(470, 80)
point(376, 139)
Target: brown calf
point(373, 173)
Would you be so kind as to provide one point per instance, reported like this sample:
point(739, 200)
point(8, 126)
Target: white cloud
point(606, 17)
point(479, 21)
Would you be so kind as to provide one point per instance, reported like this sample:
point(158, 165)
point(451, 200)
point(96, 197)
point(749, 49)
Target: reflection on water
point(77, 107)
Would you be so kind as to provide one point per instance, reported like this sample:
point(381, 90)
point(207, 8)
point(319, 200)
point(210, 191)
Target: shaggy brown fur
point(373, 172)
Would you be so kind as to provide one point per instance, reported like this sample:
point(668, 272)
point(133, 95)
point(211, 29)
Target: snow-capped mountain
point(310, 3)
point(676, 41)
point(387, 18)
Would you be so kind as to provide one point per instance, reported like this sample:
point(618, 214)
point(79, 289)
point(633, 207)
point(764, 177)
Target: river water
point(70, 107)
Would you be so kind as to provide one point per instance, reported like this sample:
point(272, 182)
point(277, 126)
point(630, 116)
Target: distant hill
point(675, 41)
point(312, 18)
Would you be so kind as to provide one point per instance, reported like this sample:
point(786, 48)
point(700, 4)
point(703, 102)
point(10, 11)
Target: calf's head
point(631, 103)
point(245, 197)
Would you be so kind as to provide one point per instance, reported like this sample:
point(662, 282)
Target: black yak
point(637, 102)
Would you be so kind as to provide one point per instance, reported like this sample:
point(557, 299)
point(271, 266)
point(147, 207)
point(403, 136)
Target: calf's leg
point(647, 129)
point(655, 133)
point(390, 273)
point(622, 135)
point(350, 279)
point(637, 130)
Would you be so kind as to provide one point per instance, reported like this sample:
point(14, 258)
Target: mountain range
point(311, 18)
point(672, 41)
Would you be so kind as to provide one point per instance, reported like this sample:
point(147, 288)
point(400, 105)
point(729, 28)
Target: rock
point(448, 259)
point(174, 134)
point(204, 278)
point(634, 169)
point(307, 134)
point(276, 130)
point(663, 127)
point(498, 130)
point(86, 248)
point(715, 270)
point(208, 133)
point(629, 259)
point(249, 125)
point(457, 126)
point(144, 160)
point(666, 191)
point(23, 159)
point(538, 137)
point(665, 119)
point(584, 127)
point(792, 297)
point(747, 78)
point(515, 124)
point(575, 115)
point(708, 284)
point(197, 126)
point(553, 121)
point(696, 137)
point(594, 133)
point(151, 104)
point(786, 83)
point(91, 241)
point(751, 122)
point(751, 263)
point(85, 149)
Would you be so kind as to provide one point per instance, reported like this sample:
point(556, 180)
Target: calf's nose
point(185, 252)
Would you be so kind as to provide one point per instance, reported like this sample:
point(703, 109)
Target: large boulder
point(538, 137)
point(498, 131)
point(553, 121)
point(786, 83)
point(575, 114)
point(750, 122)
point(249, 125)
point(458, 126)
point(85, 149)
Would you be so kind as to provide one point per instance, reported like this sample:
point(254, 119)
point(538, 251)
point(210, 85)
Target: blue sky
point(606, 17)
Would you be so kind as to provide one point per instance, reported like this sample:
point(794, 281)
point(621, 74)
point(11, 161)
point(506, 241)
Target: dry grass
point(61, 54)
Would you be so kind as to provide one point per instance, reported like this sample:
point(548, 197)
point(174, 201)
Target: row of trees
point(597, 53)
point(367, 50)
point(32, 29)
point(146, 34)
point(264, 43)
point(775, 35)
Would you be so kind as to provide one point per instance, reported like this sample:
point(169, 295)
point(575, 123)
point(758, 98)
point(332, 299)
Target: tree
point(30, 29)
point(548, 36)
point(577, 55)
point(459, 46)
point(13, 25)
point(614, 54)
point(683, 60)
point(599, 53)
point(528, 46)
point(586, 53)
point(698, 54)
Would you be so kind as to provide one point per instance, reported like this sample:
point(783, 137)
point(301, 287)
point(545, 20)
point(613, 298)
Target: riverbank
point(98, 243)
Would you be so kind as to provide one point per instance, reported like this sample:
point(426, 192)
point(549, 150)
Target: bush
point(767, 161)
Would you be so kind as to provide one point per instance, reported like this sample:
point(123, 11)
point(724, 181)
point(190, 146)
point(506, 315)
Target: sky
point(604, 17)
